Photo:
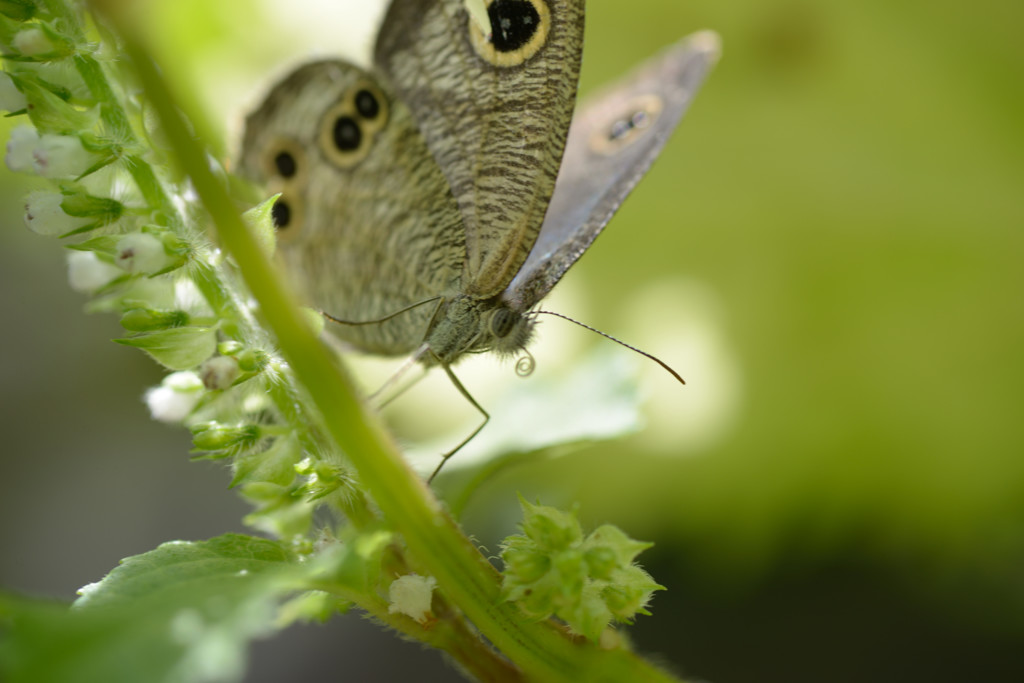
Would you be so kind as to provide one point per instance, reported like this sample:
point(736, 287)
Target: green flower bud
point(629, 594)
point(609, 548)
point(102, 210)
point(19, 10)
point(214, 436)
point(230, 347)
point(252, 360)
point(177, 249)
point(526, 565)
point(601, 562)
point(149, 319)
point(321, 478)
point(548, 527)
point(589, 615)
point(275, 465)
point(585, 582)
point(50, 113)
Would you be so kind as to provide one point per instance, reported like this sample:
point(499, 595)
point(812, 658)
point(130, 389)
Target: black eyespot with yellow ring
point(519, 29)
point(284, 161)
point(348, 128)
point(285, 169)
point(288, 214)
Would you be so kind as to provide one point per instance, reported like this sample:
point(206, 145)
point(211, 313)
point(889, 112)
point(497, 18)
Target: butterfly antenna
point(380, 320)
point(617, 341)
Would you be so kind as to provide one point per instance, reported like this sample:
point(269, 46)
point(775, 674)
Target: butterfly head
point(469, 325)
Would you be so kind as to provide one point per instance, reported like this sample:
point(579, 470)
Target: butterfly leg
point(469, 397)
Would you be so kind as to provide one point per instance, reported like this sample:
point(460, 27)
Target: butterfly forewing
point(494, 113)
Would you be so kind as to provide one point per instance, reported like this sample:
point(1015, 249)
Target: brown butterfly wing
point(494, 114)
point(372, 226)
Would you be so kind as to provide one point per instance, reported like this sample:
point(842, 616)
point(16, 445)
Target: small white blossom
point(44, 216)
point(86, 273)
point(61, 156)
point(176, 396)
point(31, 42)
point(410, 595)
point(20, 149)
point(139, 252)
point(219, 372)
point(11, 99)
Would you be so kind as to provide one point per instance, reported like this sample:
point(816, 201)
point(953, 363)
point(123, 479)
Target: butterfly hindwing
point(614, 139)
point(367, 224)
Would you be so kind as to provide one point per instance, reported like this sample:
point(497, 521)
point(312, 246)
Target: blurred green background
point(830, 250)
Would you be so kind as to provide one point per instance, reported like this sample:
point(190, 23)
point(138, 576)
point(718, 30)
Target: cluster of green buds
point(552, 569)
point(136, 248)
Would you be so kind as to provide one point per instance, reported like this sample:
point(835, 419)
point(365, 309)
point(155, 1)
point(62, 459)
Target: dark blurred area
point(840, 495)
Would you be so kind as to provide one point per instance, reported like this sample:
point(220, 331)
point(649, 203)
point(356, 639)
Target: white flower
point(410, 595)
point(32, 41)
point(187, 297)
point(86, 273)
point(139, 252)
point(176, 396)
point(219, 372)
point(11, 99)
point(44, 216)
point(61, 156)
point(49, 155)
point(20, 148)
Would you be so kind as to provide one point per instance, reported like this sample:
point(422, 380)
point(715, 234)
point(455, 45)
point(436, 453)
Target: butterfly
point(431, 201)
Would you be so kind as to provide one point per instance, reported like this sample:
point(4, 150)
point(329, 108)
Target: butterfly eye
point(502, 322)
point(519, 29)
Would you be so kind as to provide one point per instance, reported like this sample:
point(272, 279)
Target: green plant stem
point(540, 650)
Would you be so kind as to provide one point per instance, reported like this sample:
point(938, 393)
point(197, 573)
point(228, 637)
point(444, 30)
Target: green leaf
point(179, 348)
point(182, 612)
point(596, 399)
